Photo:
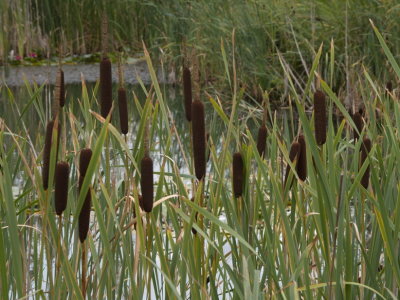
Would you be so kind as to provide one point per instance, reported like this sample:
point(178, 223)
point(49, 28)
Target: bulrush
point(199, 139)
point(320, 117)
point(105, 87)
point(146, 183)
point(389, 86)
point(301, 166)
point(123, 110)
point(61, 189)
point(60, 88)
point(187, 92)
point(262, 139)
point(293, 155)
point(84, 215)
point(238, 174)
point(357, 119)
point(47, 152)
point(365, 149)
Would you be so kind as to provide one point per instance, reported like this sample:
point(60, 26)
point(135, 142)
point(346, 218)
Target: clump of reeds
point(187, 92)
point(301, 166)
point(146, 183)
point(47, 151)
point(238, 174)
point(262, 139)
point(365, 149)
point(84, 215)
point(358, 121)
point(61, 186)
point(199, 139)
point(293, 156)
point(320, 121)
point(105, 86)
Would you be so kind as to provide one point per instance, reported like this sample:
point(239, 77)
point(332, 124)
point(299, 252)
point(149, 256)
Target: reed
point(146, 183)
point(365, 149)
point(187, 92)
point(123, 110)
point(320, 121)
point(199, 139)
point(84, 215)
point(61, 187)
point(262, 139)
point(238, 174)
point(301, 166)
point(105, 86)
point(293, 156)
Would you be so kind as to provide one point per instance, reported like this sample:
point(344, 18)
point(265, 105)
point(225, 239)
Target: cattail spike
point(105, 87)
point(84, 215)
point(60, 88)
point(365, 149)
point(238, 174)
point(357, 119)
point(146, 183)
point(187, 92)
point(47, 151)
point(61, 189)
point(320, 117)
point(301, 166)
point(262, 139)
point(123, 110)
point(199, 139)
point(293, 155)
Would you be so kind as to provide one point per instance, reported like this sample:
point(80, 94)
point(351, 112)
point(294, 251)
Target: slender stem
point(84, 270)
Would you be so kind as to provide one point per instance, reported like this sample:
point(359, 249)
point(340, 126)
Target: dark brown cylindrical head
point(301, 166)
point(146, 183)
point(238, 174)
point(357, 119)
point(365, 149)
point(199, 139)
point(84, 215)
point(320, 117)
point(262, 139)
point(293, 155)
point(123, 110)
point(389, 86)
point(105, 87)
point(60, 88)
point(187, 93)
point(47, 151)
point(61, 189)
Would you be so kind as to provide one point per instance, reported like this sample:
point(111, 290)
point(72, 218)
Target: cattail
point(84, 216)
point(301, 166)
point(105, 87)
point(357, 119)
point(365, 149)
point(123, 110)
point(262, 139)
point(293, 155)
point(146, 183)
point(47, 152)
point(199, 139)
point(60, 88)
point(187, 92)
point(61, 189)
point(238, 174)
point(389, 86)
point(320, 117)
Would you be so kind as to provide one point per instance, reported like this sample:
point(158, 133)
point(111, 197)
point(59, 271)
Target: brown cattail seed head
point(357, 119)
point(293, 155)
point(389, 86)
point(301, 166)
point(61, 189)
point(123, 110)
point(47, 151)
point(320, 117)
point(60, 88)
point(262, 139)
point(187, 92)
point(146, 183)
point(199, 139)
point(84, 215)
point(105, 87)
point(238, 174)
point(365, 149)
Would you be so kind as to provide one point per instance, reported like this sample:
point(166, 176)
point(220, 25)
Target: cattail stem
point(84, 268)
point(59, 245)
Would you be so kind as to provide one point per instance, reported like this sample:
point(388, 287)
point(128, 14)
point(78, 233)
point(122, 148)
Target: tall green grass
point(324, 236)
